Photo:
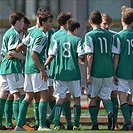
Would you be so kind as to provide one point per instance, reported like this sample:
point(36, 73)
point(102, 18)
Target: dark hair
point(26, 21)
point(40, 11)
point(73, 24)
point(63, 17)
point(15, 16)
point(95, 17)
point(44, 17)
point(127, 15)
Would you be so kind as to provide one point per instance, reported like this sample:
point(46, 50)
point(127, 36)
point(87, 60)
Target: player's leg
point(98, 100)
point(36, 111)
point(40, 86)
point(24, 105)
point(67, 111)
point(60, 90)
point(94, 89)
point(9, 111)
point(4, 92)
point(23, 110)
point(105, 94)
point(3, 96)
point(130, 103)
point(122, 91)
point(75, 90)
point(52, 100)
point(114, 100)
point(43, 108)
point(16, 82)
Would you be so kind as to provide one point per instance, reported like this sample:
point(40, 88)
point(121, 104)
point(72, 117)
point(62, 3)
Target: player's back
point(10, 41)
point(67, 68)
point(125, 38)
point(56, 35)
point(100, 42)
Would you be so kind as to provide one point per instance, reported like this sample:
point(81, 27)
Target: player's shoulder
point(11, 32)
point(59, 34)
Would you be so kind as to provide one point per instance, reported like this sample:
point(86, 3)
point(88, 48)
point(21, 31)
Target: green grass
point(84, 129)
point(63, 131)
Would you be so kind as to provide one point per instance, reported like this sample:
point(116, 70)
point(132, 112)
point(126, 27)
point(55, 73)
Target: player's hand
point(44, 75)
point(88, 79)
point(82, 62)
point(8, 56)
point(115, 80)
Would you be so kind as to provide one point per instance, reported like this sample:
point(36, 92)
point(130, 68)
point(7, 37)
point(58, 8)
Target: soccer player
point(62, 19)
point(11, 70)
point(123, 64)
point(66, 50)
point(106, 24)
point(35, 74)
point(99, 68)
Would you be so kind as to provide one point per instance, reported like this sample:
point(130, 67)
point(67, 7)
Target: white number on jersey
point(66, 49)
point(130, 44)
point(103, 41)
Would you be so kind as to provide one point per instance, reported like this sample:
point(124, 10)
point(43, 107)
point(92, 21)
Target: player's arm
point(14, 54)
point(89, 59)
point(38, 64)
point(21, 47)
point(115, 61)
point(53, 50)
point(49, 59)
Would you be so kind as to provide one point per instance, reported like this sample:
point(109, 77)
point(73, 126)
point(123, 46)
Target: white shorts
point(125, 86)
point(114, 87)
point(100, 87)
point(50, 82)
point(11, 82)
point(61, 88)
point(34, 83)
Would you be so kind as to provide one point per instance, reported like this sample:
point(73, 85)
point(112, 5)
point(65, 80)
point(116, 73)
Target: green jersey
point(10, 41)
point(35, 42)
point(49, 35)
point(31, 29)
point(122, 45)
point(98, 42)
point(67, 49)
point(53, 64)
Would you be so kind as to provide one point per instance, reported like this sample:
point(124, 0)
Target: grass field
point(63, 131)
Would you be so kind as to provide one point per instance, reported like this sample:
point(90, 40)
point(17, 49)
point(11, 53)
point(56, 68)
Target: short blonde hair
point(127, 15)
point(107, 18)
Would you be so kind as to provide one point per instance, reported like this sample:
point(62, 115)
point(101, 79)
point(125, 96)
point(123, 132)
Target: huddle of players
point(65, 49)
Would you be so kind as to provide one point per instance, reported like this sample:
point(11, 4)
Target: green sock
point(67, 111)
point(2, 104)
point(77, 112)
point(42, 113)
point(22, 113)
point(16, 109)
point(36, 112)
point(108, 106)
point(93, 114)
point(58, 108)
point(125, 112)
point(98, 106)
point(21, 98)
point(115, 109)
point(130, 110)
point(52, 104)
point(8, 112)
point(51, 116)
